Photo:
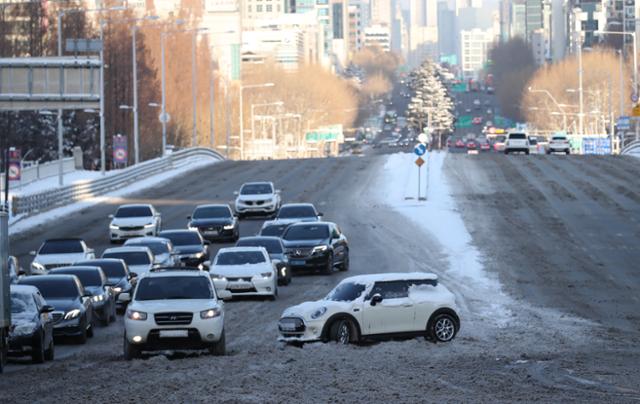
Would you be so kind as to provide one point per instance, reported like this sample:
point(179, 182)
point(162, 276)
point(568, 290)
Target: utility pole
point(194, 135)
point(136, 133)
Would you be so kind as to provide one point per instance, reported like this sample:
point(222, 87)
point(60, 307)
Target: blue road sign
point(600, 145)
point(420, 149)
point(634, 97)
point(624, 123)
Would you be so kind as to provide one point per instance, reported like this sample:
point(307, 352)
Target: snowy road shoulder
point(21, 225)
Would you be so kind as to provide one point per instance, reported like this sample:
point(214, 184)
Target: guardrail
point(631, 148)
point(35, 203)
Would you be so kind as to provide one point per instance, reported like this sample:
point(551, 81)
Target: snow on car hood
point(241, 270)
point(132, 221)
point(303, 243)
point(174, 305)
point(289, 220)
point(47, 259)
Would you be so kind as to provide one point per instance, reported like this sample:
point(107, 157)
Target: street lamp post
point(242, 88)
point(253, 107)
point(564, 115)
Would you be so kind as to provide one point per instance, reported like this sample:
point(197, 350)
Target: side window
point(334, 232)
point(38, 302)
point(390, 290)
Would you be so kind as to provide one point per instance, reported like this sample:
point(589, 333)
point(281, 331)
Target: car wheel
point(105, 318)
point(442, 328)
point(343, 332)
point(90, 331)
point(50, 353)
point(219, 348)
point(526, 152)
point(345, 263)
point(328, 270)
point(37, 350)
point(82, 338)
point(567, 152)
point(506, 152)
point(112, 318)
point(130, 351)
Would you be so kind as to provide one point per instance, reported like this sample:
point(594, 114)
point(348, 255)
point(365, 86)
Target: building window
point(259, 8)
point(323, 11)
point(269, 8)
point(249, 8)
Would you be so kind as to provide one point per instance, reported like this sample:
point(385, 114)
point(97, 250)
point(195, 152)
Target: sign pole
point(419, 182)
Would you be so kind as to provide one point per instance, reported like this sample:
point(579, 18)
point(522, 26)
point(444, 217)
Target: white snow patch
point(18, 224)
point(474, 288)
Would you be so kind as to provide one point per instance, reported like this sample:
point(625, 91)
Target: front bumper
point(21, 345)
point(296, 329)
point(256, 207)
point(217, 234)
point(68, 328)
point(312, 262)
point(199, 334)
point(247, 286)
point(125, 234)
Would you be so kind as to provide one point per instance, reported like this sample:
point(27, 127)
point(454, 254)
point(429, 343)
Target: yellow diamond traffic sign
point(419, 161)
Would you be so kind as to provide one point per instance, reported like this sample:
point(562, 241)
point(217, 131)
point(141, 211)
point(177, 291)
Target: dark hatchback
point(118, 276)
point(73, 308)
point(316, 246)
point(190, 248)
point(215, 222)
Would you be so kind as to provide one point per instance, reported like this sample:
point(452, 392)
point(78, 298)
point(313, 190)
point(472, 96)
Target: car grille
point(210, 228)
point(173, 318)
point(256, 203)
point(57, 316)
point(299, 252)
point(297, 324)
point(131, 228)
point(51, 266)
point(245, 279)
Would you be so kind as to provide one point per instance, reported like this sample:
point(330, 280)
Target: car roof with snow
point(318, 223)
point(24, 289)
point(391, 276)
point(127, 249)
point(136, 205)
point(147, 239)
point(241, 249)
point(258, 183)
point(275, 223)
point(169, 273)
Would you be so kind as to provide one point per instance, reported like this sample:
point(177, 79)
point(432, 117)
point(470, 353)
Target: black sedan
point(190, 248)
point(276, 251)
point(95, 282)
point(118, 276)
point(316, 246)
point(73, 307)
point(215, 222)
point(32, 325)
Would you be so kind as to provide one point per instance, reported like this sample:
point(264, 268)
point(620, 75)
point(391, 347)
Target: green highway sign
point(464, 121)
point(459, 88)
point(329, 133)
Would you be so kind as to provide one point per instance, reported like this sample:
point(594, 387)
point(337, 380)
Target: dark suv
point(317, 246)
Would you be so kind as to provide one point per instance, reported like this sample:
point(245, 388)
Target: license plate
point(288, 326)
point(239, 285)
point(174, 333)
point(211, 232)
point(297, 262)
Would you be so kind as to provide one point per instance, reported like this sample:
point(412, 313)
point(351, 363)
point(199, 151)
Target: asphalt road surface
point(560, 233)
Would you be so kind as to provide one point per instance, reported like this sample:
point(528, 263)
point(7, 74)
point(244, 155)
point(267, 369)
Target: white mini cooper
point(375, 306)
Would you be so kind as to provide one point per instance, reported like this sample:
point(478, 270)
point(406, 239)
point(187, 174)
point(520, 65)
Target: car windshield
point(210, 212)
point(517, 136)
point(306, 232)
point(134, 211)
point(272, 246)
point(500, 138)
point(87, 278)
point(110, 269)
point(560, 138)
point(174, 287)
point(61, 247)
point(156, 247)
point(296, 211)
point(346, 292)
point(256, 189)
point(130, 257)
point(54, 289)
point(183, 238)
point(240, 258)
point(23, 303)
point(274, 230)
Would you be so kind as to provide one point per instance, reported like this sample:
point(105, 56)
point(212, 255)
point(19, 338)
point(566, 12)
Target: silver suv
point(516, 142)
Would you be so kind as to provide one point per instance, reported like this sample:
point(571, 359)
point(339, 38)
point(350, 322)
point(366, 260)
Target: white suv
point(257, 197)
point(516, 142)
point(134, 221)
point(375, 306)
point(559, 144)
point(173, 310)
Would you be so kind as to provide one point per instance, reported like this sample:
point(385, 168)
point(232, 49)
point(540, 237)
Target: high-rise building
point(474, 49)
point(261, 9)
point(358, 19)
point(381, 12)
point(447, 33)
point(378, 35)
point(423, 31)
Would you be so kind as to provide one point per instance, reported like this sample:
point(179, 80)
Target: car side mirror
point(224, 294)
point(124, 297)
point(320, 214)
point(235, 193)
point(189, 217)
point(90, 251)
point(21, 272)
point(278, 191)
point(47, 309)
point(111, 216)
point(32, 253)
point(375, 299)
point(132, 275)
point(207, 242)
point(87, 294)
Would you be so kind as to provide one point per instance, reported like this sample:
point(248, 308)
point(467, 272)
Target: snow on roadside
point(19, 225)
point(71, 178)
point(475, 289)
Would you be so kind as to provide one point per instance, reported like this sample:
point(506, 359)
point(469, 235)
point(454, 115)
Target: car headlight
point(70, 315)
point(37, 266)
point(210, 313)
point(228, 226)
point(150, 225)
point(318, 313)
point(319, 248)
point(136, 315)
point(217, 276)
point(196, 255)
point(117, 289)
point(266, 274)
point(114, 227)
point(98, 298)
